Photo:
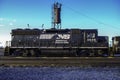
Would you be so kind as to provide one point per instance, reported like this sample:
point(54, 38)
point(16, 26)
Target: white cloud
point(1, 25)
point(3, 39)
point(7, 19)
point(11, 24)
point(14, 20)
point(1, 19)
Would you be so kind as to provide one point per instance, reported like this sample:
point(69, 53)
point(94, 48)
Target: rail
point(59, 61)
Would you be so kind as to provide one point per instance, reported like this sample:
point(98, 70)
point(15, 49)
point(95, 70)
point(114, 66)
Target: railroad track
point(59, 61)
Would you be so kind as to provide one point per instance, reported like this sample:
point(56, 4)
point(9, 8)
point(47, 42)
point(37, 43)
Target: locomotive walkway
point(60, 61)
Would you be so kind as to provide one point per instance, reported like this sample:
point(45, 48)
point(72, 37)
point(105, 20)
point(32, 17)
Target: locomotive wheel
point(100, 53)
point(25, 53)
point(32, 53)
point(92, 53)
point(29, 53)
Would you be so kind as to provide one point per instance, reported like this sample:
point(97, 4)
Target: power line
point(91, 18)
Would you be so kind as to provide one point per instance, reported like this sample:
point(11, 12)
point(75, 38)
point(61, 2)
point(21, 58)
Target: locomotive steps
point(60, 61)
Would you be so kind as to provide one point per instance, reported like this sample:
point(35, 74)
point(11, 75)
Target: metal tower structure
point(56, 15)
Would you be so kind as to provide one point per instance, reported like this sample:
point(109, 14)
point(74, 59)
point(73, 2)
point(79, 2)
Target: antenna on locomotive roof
point(56, 15)
point(42, 26)
point(28, 25)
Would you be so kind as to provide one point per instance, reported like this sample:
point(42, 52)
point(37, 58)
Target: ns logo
point(63, 36)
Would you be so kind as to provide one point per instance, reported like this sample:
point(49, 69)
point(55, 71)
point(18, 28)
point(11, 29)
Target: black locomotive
point(58, 42)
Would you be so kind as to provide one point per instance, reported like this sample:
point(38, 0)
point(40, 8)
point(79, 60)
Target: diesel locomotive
point(70, 42)
point(60, 42)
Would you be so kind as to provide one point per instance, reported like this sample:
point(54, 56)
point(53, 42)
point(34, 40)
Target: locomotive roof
point(116, 37)
point(37, 31)
point(26, 31)
point(90, 29)
point(57, 30)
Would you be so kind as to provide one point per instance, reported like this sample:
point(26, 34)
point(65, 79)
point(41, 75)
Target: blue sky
point(103, 15)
